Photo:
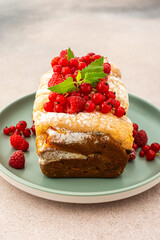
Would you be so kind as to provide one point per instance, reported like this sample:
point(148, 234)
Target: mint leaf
point(64, 87)
point(96, 66)
point(93, 78)
point(69, 54)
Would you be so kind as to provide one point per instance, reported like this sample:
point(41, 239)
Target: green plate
point(138, 176)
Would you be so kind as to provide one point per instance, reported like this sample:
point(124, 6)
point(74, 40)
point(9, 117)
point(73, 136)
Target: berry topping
point(107, 68)
point(63, 62)
point(150, 155)
point(18, 142)
point(94, 57)
point(105, 107)
point(97, 98)
point(59, 108)
point(135, 146)
point(17, 133)
point(6, 131)
point(132, 155)
point(27, 132)
point(91, 54)
point(52, 97)
point(75, 104)
point(90, 106)
point(102, 87)
point(85, 98)
point(33, 129)
point(155, 147)
point(61, 99)
point(141, 138)
point(17, 160)
point(66, 70)
point(135, 126)
point(116, 104)
point(48, 106)
point(85, 88)
point(145, 148)
point(55, 81)
point(73, 62)
point(21, 126)
point(141, 153)
point(81, 65)
point(87, 59)
point(12, 129)
point(119, 112)
point(57, 68)
point(63, 53)
point(134, 133)
point(110, 94)
point(55, 61)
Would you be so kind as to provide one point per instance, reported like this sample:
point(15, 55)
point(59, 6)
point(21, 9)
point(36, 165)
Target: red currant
point(73, 62)
point(81, 65)
point(132, 155)
point(27, 132)
point(134, 133)
point(63, 62)
point(6, 131)
point(69, 75)
point(141, 153)
point(102, 87)
point(155, 147)
point(75, 73)
point(110, 94)
point(48, 106)
point(150, 155)
point(12, 129)
point(73, 69)
point(95, 57)
point(33, 129)
point(90, 106)
point(135, 126)
point(57, 68)
point(66, 70)
point(81, 59)
point(52, 96)
point(97, 98)
point(55, 61)
point(107, 68)
point(135, 146)
point(116, 104)
point(119, 112)
point(87, 59)
point(111, 101)
point(63, 53)
point(105, 107)
point(145, 148)
point(59, 108)
point(91, 54)
point(18, 133)
point(85, 98)
point(74, 93)
point(21, 125)
point(61, 99)
point(85, 88)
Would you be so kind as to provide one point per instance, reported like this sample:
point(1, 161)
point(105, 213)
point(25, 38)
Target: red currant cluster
point(19, 129)
point(140, 140)
point(90, 99)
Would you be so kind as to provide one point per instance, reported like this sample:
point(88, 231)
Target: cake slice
point(83, 143)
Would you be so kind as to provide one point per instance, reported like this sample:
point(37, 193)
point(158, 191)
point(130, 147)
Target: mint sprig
point(93, 78)
point(64, 87)
point(70, 54)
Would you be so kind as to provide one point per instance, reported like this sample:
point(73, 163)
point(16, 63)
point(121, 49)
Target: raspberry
point(145, 148)
point(55, 61)
point(135, 126)
point(141, 153)
point(12, 129)
point(150, 155)
point(91, 54)
point(135, 146)
point(17, 133)
point(119, 112)
point(73, 62)
point(81, 65)
point(63, 53)
point(18, 142)
point(33, 129)
point(102, 87)
point(53, 81)
point(105, 107)
point(61, 99)
point(116, 104)
point(48, 106)
point(75, 104)
point(63, 62)
point(6, 131)
point(27, 132)
point(17, 160)
point(85, 88)
point(90, 106)
point(74, 93)
point(21, 126)
point(155, 147)
point(134, 133)
point(57, 68)
point(52, 96)
point(87, 59)
point(96, 57)
point(107, 68)
point(141, 138)
point(97, 98)
point(59, 108)
point(66, 70)
point(132, 155)
point(110, 94)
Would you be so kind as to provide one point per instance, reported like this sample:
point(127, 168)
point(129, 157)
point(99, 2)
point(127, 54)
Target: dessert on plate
point(80, 114)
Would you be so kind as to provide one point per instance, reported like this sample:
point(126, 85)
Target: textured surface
point(31, 33)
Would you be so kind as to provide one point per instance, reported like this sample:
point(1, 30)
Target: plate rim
point(68, 193)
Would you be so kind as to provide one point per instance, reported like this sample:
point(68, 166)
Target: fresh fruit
point(134, 133)
point(55, 61)
point(66, 70)
point(90, 106)
point(59, 108)
point(81, 65)
point(61, 99)
point(85, 88)
point(97, 98)
point(135, 146)
point(57, 68)
point(18, 142)
point(155, 147)
point(107, 68)
point(75, 104)
point(63, 62)
point(52, 97)
point(63, 53)
point(141, 138)
point(105, 107)
point(116, 104)
point(85, 98)
point(145, 148)
point(55, 81)
point(73, 62)
point(150, 155)
point(87, 59)
point(119, 112)
point(110, 94)
point(132, 155)
point(135, 126)
point(27, 132)
point(102, 87)
point(21, 126)
point(48, 106)
point(33, 129)
point(17, 160)
point(6, 131)
point(141, 153)
point(17, 133)
point(94, 57)
point(12, 129)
